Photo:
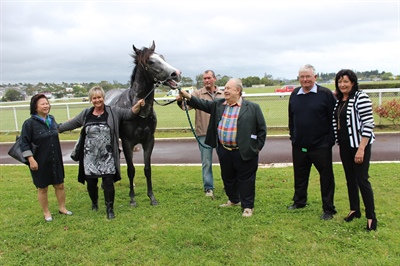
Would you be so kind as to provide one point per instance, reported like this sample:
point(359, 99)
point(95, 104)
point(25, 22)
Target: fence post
point(68, 116)
point(379, 104)
point(15, 118)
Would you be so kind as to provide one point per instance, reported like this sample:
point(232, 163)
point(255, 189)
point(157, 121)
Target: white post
point(15, 118)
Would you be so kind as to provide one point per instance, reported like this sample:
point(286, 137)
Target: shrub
point(389, 110)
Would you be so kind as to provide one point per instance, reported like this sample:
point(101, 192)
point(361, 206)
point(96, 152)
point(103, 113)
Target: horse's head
point(155, 67)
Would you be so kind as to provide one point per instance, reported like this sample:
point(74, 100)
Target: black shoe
point(65, 213)
point(110, 210)
point(95, 207)
point(327, 216)
point(351, 216)
point(373, 226)
point(295, 206)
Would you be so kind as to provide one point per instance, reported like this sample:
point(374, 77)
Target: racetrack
point(277, 151)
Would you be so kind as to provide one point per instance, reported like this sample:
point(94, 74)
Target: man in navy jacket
point(311, 132)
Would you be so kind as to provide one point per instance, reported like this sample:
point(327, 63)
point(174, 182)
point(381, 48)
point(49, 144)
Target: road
point(277, 150)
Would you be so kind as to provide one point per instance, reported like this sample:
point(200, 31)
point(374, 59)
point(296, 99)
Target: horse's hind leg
point(147, 151)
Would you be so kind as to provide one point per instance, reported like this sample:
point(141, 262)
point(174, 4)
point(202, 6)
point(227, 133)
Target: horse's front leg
point(128, 152)
point(131, 176)
point(147, 151)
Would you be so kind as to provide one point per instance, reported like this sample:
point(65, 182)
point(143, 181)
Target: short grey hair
point(307, 67)
point(238, 83)
point(96, 90)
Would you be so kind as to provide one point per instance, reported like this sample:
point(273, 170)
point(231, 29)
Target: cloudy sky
point(84, 41)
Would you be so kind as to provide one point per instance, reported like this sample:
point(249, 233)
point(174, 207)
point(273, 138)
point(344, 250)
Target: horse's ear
point(134, 48)
point(153, 46)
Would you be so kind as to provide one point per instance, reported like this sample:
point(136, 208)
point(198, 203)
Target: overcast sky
point(85, 41)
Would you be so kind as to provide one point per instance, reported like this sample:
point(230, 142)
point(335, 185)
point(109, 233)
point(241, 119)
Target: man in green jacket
point(237, 130)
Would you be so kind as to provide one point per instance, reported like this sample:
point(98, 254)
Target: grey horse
point(150, 70)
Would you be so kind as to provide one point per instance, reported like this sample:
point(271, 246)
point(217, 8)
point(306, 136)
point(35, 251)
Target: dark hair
point(210, 71)
point(352, 77)
point(34, 100)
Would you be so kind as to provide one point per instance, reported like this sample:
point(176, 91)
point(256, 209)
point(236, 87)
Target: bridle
point(158, 83)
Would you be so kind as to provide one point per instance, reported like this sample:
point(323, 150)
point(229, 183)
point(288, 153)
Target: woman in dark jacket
point(46, 165)
point(100, 154)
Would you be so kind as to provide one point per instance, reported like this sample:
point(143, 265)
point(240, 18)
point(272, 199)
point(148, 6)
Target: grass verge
point(189, 229)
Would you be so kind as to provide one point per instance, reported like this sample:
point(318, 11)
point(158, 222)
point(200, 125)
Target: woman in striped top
point(353, 124)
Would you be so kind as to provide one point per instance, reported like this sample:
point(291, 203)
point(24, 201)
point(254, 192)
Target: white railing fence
point(273, 105)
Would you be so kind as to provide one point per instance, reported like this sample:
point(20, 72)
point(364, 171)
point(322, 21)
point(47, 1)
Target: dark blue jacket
point(310, 118)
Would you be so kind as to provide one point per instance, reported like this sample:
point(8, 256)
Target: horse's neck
point(142, 88)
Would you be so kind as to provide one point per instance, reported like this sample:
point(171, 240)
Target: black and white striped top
point(359, 119)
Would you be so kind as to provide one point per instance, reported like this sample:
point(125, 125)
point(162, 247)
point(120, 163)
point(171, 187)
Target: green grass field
point(190, 229)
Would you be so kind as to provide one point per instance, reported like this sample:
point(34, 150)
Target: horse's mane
point(140, 58)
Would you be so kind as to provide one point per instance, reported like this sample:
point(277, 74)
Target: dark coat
point(47, 153)
point(310, 118)
point(251, 126)
point(115, 115)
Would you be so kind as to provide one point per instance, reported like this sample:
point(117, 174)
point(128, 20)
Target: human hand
point(185, 94)
point(137, 106)
point(359, 157)
point(33, 165)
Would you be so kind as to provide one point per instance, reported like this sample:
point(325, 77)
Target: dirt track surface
point(277, 150)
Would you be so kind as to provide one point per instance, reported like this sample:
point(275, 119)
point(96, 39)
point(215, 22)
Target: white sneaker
point(247, 212)
point(209, 193)
point(229, 204)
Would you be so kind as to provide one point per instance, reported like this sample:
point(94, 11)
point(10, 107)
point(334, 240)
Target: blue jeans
point(206, 164)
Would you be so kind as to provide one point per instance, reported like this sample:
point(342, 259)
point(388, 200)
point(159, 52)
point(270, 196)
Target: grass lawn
point(189, 229)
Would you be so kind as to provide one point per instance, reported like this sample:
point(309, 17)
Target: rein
point(157, 83)
point(191, 125)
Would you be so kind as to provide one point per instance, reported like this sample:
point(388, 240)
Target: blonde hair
point(96, 90)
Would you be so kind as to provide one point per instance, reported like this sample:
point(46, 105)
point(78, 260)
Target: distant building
point(258, 86)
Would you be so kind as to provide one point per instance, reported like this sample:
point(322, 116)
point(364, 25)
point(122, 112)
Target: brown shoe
point(229, 204)
point(247, 212)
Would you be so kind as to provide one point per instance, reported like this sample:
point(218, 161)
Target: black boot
point(109, 199)
point(110, 210)
point(94, 196)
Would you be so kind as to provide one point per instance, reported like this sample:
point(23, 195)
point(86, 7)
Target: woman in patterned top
point(100, 154)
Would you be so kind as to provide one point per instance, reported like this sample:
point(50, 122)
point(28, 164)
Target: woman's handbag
point(15, 151)
point(77, 151)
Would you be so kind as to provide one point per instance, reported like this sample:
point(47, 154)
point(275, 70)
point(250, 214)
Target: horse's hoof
point(154, 203)
point(133, 204)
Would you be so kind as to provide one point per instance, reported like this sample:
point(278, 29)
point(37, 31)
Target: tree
point(106, 85)
point(199, 81)
point(387, 76)
point(79, 91)
point(12, 95)
point(186, 82)
point(221, 81)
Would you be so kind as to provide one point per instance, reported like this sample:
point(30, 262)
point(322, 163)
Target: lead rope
point(191, 125)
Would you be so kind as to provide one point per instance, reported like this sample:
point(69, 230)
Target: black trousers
point(357, 178)
point(322, 160)
point(107, 185)
point(238, 176)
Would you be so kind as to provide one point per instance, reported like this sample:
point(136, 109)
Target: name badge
point(253, 136)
